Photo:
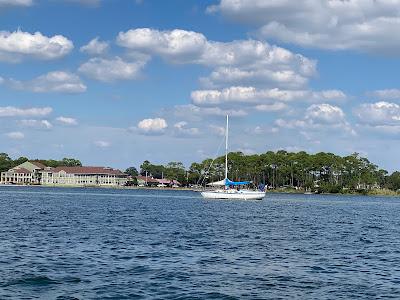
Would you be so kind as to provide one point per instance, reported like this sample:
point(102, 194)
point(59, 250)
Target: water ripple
point(69, 244)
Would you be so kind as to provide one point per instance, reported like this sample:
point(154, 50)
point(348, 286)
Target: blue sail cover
point(230, 182)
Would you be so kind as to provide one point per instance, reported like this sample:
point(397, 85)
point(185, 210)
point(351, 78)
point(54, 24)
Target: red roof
point(164, 181)
point(149, 179)
point(88, 170)
point(160, 181)
point(22, 170)
point(38, 164)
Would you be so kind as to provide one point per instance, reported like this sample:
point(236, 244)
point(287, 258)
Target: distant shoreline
point(382, 192)
point(100, 187)
point(374, 192)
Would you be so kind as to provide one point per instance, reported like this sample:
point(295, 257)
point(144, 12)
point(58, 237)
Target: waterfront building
point(84, 176)
point(146, 181)
point(31, 172)
point(150, 181)
point(27, 173)
point(168, 182)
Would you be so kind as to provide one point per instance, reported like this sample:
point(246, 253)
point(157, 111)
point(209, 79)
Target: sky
point(117, 82)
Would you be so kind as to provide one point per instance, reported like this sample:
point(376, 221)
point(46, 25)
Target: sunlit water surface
point(137, 244)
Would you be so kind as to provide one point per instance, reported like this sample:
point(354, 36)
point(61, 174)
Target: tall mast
point(226, 147)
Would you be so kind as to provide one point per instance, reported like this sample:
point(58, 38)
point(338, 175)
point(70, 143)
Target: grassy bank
point(383, 192)
point(374, 192)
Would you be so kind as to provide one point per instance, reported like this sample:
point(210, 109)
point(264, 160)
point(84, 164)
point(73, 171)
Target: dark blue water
point(135, 244)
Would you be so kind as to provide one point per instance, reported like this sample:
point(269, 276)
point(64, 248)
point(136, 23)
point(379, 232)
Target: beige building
point(25, 173)
point(37, 173)
point(83, 176)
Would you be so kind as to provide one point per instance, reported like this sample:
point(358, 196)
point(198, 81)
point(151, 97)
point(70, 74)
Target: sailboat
point(225, 191)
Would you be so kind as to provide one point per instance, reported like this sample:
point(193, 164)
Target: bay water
point(60, 243)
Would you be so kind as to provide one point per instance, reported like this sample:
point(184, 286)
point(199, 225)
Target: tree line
point(7, 163)
point(322, 172)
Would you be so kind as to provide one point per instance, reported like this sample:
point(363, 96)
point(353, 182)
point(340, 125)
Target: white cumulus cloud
point(57, 81)
point(11, 111)
point(387, 94)
point(239, 94)
point(36, 124)
point(14, 46)
point(16, 3)
point(250, 74)
point(379, 113)
point(259, 130)
point(152, 126)
point(248, 61)
point(364, 25)
point(325, 113)
point(178, 45)
point(102, 144)
point(254, 75)
point(278, 106)
point(109, 70)
point(190, 111)
point(67, 121)
point(320, 118)
point(15, 135)
point(182, 129)
point(95, 47)
point(181, 46)
point(255, 96)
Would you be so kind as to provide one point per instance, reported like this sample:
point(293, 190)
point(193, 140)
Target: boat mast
point(226, 147)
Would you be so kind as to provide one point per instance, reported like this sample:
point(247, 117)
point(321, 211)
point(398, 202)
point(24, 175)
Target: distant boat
point(225, 191)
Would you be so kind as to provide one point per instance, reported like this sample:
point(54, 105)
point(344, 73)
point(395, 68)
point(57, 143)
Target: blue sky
point(115, 82)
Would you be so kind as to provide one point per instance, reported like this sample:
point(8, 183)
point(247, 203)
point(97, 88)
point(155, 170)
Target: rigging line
point(215, 157)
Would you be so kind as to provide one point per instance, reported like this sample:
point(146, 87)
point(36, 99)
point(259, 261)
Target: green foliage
point(393, 181)
point(331, 188)
point(132, 171)
point(175, 171)
point(70, 162)
point(50, 162)
point(65, 162)
point(152, 170)
point(132, 181)
point(322, 172)
point(172, 171)
point(195, 172)
point(5, 162)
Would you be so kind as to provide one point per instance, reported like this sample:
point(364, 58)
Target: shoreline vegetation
point(280, 171)
point(377, 192)
point(290, 172)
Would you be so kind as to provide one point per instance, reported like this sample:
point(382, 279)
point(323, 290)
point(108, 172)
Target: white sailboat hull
point(230, 194)
point(233, 195)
